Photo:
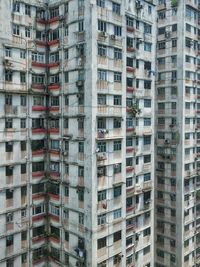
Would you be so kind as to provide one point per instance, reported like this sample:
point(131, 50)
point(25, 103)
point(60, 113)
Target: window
point(101, 171)
point(23, 213)
point(117, 30)
point(81, 147)
point(147, 140)
point(54, 12)
point(117, 214)
point(37, 166)
point(161, 45)
point(9, 240)
point(129, 22)
point(117, 236)
point(102, 50)
point(37, 79)
point(146, 250)
point(174, 43)
point(117, 77)
point(101, 146)
point(28, 32)
point(149, 10)
point(16, 30)
point(147, 232)
point(101, 195)
point(117, 53)
point(81, 26)
point(117, 191)
point(24, 258)
point(9, 217)
point(117, 123)
point(102, 75)
point(101, 3)
point(8, 100)
point(101, 243)
point(38, 209)
point(81, 194)
point(147, 121)
point(37, 188)
point(16, 6)
point(117, 146)
point(147, 177)
point(27, 10)
point(101, 99)
point(129, 122)
point(38, 57)
point(147, 158)
point(147, 84)
point(129, 42)
point(117, 101)
point(9, 146)
point(22, 77)
point(8, 52)
point(81, 218)
point(10, 263)
point(129, 182)
point(66, 54)
point(147, 47)
point(101, 219)
point(147, 103)
point(8, 76)
point(23, 145)
point(53, 209)
point(129, 141)
point(117, 168)
point(116, 8)
point(23, 168)
point(24, 235)
point(81, 171)
point(23, 100)
point(147, 28)
point(8, 123)
point(101, 26)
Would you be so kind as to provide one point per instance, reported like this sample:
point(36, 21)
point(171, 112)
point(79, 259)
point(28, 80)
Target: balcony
point(54, 87)
point(40, 42)
point(130, 49)
point(130, 29)
point(38, 130)
point(109, 111)
point(54, 131)
point(53, 42)
point(38, 86)
point(130, 69)
point(38, 64)
point(147, 185)
point(39, 108)
point(10, 110)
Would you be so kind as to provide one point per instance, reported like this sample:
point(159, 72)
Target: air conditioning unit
point(103, 34)
point(138, 5)
point(112, 37)
point(100, 171)
point(104, 205)
point(7, 63)
point(65, 153)
point(79, 83)
point(167, 141)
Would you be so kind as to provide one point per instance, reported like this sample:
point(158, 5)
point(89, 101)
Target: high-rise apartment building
point(77, 133)
point(177, 180)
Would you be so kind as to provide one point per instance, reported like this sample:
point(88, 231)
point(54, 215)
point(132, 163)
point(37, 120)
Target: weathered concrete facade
point(177, 140)
point(77, 133)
